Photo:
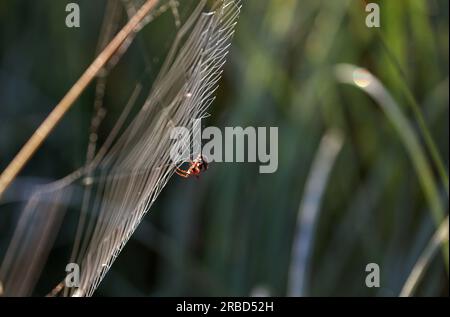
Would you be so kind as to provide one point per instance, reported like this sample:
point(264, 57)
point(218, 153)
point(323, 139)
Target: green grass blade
point(364, 80)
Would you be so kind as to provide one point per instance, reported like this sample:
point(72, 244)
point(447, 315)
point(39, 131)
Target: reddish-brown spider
point(195, 168)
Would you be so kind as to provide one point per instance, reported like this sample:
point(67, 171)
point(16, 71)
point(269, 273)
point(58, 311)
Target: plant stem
point(72, 95)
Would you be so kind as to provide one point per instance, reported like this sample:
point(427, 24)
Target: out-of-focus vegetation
point(231, 232)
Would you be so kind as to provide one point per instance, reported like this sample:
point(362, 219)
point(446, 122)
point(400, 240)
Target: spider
point(195, 168)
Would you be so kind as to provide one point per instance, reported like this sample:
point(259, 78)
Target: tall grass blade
point(309, 210)
point(418, 271)
point(367, 82)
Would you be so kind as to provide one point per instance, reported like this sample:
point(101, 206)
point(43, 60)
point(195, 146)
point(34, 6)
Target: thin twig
point(60, 110)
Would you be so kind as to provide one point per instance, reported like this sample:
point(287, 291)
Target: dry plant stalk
point(72, 95)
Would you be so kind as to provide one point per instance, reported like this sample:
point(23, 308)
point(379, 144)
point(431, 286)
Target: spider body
point(195, 168)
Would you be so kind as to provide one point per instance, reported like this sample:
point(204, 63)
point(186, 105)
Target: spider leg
point(182, 173)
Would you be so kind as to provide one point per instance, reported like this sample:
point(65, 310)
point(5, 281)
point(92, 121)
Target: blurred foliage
point(231, 231)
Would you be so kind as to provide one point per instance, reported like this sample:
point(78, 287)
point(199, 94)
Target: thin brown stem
point(72, 95)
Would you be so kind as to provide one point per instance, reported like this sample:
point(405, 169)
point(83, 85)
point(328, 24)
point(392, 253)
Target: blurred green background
point(231, 232)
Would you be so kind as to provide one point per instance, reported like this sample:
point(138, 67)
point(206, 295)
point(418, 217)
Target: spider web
point(121, 181)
